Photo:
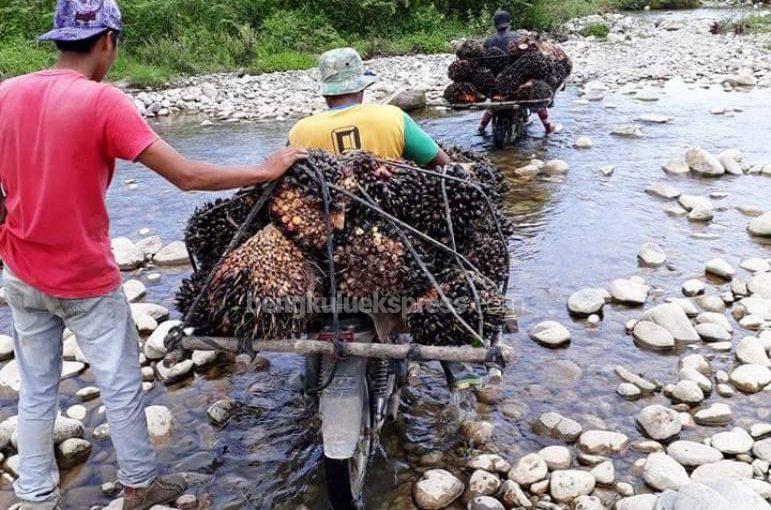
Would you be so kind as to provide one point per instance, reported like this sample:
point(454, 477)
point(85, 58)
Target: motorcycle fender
point(342, 405)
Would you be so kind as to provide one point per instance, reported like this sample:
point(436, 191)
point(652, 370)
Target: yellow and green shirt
point(384, 130)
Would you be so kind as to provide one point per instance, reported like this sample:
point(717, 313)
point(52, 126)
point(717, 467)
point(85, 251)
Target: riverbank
point(639, 52)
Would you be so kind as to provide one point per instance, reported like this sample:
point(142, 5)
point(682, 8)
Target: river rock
point(663, 190)
point(751, 351)
point(72, 452)
point(640, 502)
point(695, 496)
point(715, 318)
point(551, 333)
point(701, 214)
point(659, 422)
point(175, 372)
point(6, 347)
point(721, 469)
point(757, 306)
point(712, 333)
point(77, 412)
point(627, 375)
point(720, 268)
point(602, 442)
point(127, 255)
point(477, 432)
point(483, 483)
point(627, 131)
point(692, 454)
point(730, 164)
point(529, 469)
point(755, 265)
point(556, 457)
point(409, 100)
point(134, 290)
point(149, 246)
point(586, 301)
point(757, 430)
point(490, 462)
point(154, 347)
point(652, 336)
point(485, 503)
point(556, 167)
point(715, 415)
point(762, 450)
point(87, 393)
point(654, 118)
point(671, 317)
point(437, 489)
point(101, 432)
point(761, 226)
point(687, 392)
point(629, 291)
point(676, 167)
point(512, 495)
point(567, 485)
point(160, 421)
point(651, 254)
point(694, 287)
point(732, 442)
point(203, 359)
point(750, 378)
point(647, 95)
point(583, 142)
point(662, 472)
point(738, 495)
point(689, 374)
point(691, 202)
point(173, 254)
point(556, 425)
point(629, 391)
point(703, 163)
point(760, 286)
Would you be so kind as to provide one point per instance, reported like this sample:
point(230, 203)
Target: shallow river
point(582, 230)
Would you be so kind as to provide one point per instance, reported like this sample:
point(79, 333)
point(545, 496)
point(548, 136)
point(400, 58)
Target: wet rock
point(751, 351)
point(732, 442)
point(651, 254)
point(410, 100)
point(67, 428)
point(761, 226)
point(662, 472)
point(712, 333)
point(529, 469)
point(556, 425)
point(676, 167)
point(478, 432)
point(567, 485)
point(760, 286)
point(126, 254)
point(755, 265)
point(641, 502)
point(173, 254)
point(710, 303)
point(715, 415)
point(659, 422)
point(220, 411)
point(701, 214)
point(187, 502)
point(629, 291)
point(588, 503)
point(556, 167)
point(687, 392)
point(550, 333)
point(437, 489)
point(604, 473)
point(738, 495)
point(72, 452)
point(203, 359)
point(652, 336)
point(627, 131)
point(715, 318)
point(672, 318)
point(693, 288)
point(602, 442)
point(483, 483)
point(160, 421)
point(720, 268)
point(629, 391)
point(490, 462)
point(134, 290)
point(149, 246)
point(512, 495)
point(750, 378)
point(687, 374)
point(556, 457)
point(6, 347)
point(154, 347)
point(586, 301)
point(630, 377)
point(703, 163)
point(584, 142)
point(731, 165)
point(721, 469)
point(101, 433)
point(175, 372)
point(692, 454)
point(647, 95)
point(663, 190)
point(77, 412)
point(485, 503)
point(695, 496)
point(762, 450)
point(691, 202)
point(654, 118)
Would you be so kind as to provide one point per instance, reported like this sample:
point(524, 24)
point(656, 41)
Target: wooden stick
point(358, 349)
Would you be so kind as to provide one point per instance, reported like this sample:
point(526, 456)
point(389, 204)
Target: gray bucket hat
point(342, 72)
point(76, 20)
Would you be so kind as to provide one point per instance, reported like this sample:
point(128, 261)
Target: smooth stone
point(703, 163)
point(550, 333)
point(721, 469)
point(762, 449)
point(689, 374)
point(160, 421)
point(482, 483)
point(692, 454)
point(738, 495)
point(715, 318)
point(663, 190)
point(512, 495)
point(629, 391)
point(695, 496)
point(629, 292)
point(751, 351)
point(710, 303)
point(583, 142)
point(602, 442)
point(149, 246)
point(720, 268)
point(690, 202)
point(174, 373)
point(77, 412)
point(659, 422)
point(750, 378)
point(134, 290)
point(651, 254)
point(627, 375)
point(437, 489)
point(6, 347)
point(485, 503)
point(676, 167)
point(640, 502)
point(173, 254)
point(569, 484)
point(654, 118)
point(556, 457)
point(712, 333)
point(627, 131)
point(662, 472)
point(490, 462)
point(760, 286)
point(671, 317)
point(651, 335)
point(586, 301)
point(529, 469)
point(687, 392)
point(203, 359)
point(588, 503)
point(127, 255)
point(732, 442)
point(715, 415)
point(87, 393)
point(761, 225)
point(154, 347)
point(220, 411)
point(604, 473)
point(72, 452)
point(556, 167)
point(755, 265)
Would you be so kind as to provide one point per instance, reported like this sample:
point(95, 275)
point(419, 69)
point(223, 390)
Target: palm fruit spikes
point(462, 70)
point(470, 50)
point(462, 93)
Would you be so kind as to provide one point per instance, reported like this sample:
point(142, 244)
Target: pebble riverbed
point(653, 393)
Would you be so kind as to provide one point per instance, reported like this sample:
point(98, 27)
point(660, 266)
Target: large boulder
point(409, 100)
point(671, 317)
point(704, 163)
point(750, 378)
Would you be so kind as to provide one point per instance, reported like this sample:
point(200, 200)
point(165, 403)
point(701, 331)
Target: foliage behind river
point(169, 37)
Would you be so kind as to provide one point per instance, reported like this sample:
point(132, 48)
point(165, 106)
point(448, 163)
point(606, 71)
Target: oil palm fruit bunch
point(530, 66)
point(303, 177)
point(482, 170)
point(523, 44)
point(462, 93)
point(560, 62)
point(188, 291)
point(470, 49)
point(466, 202)
point(534, 90)
point(432, 323)
point(462, 70)
point(488, 252)
point(495, 59)
point(213, 225)
point(485, 82)
point(255, 289)
point(299, 216)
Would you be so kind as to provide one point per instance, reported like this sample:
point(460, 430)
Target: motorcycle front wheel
point(345, 477)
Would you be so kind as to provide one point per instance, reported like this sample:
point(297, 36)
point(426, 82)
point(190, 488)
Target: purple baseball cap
point(76, 20)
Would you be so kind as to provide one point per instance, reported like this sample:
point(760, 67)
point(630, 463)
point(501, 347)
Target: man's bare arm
point(190, 175)
point(441, 159)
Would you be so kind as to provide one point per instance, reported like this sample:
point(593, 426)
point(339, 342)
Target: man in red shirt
point(61, 131)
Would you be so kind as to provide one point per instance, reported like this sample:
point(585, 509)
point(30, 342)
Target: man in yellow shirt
point(349, 125)
point(383, 130)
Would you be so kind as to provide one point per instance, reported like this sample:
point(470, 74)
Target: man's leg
point(108, 338)
point(37, 335)
point(486, 118)
point(543, 114)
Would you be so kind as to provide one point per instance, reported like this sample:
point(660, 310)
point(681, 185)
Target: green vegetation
point(657, 4)
point(598, 30)
point(752, 24)
point(165, 38)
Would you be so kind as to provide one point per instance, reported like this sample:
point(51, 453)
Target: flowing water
point(581, 230)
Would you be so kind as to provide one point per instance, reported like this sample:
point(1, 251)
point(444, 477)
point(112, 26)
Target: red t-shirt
point(60, 135)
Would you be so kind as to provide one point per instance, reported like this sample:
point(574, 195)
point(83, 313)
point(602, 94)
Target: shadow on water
point(583, 229)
